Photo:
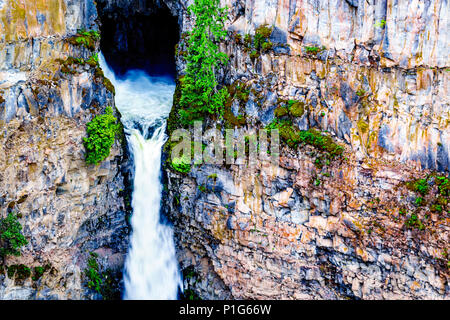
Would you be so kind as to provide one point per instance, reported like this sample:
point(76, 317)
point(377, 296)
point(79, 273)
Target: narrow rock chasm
point(139, 38)
point(139, 50)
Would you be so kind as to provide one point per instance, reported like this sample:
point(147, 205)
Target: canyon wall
point(67, 208)
point(375, 76)
point(372, 74)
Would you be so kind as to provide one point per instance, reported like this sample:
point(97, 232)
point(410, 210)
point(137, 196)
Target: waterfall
point(151, 268)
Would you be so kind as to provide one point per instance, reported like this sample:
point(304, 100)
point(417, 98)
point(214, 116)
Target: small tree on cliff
point(199, 88)
point(11, 237)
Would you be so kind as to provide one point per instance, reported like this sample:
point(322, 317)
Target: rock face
point(374, 74)
point(67, 208)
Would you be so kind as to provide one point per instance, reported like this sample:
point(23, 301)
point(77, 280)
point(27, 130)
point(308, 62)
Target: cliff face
point(67, 208)
point(374, 74)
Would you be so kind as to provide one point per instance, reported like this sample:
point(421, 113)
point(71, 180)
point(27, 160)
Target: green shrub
point(93, 60)
point(38, 272)
point(419, 185)
point(419, 201)
point(69, 65)
point(262, 34)
point(254, 54)
point(92, 273)
point(380, 24)
point(443, 185)
point(106, 282)
point(436, 208)
point(248, 40)
point(11, 237)
point(266, 46)
point(181, 164)
point(85, 38)
point(19, 271)
point(189, 294)
point(101, 134)
point(414, 222)
point(200, 93)
point(312, 49)
point(260, 43)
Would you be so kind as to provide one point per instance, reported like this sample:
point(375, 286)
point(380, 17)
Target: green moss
point(293, 137)
point(281, 111)
point(106, 82)
point(181, 164)
point(231, 120)
point(380, 24)
point(190, 275)
point(93, 60)
point(69, 65)
point(106, 282)
point(419, 185)
point(323, 142)
point(190, 294)
point(262, 34)
point(296, 108)
point(242, 93)
point(38, 272)
point(213, 176)
point(443, 201)
point(312, 49)
point(260, 43)
point(173, 120)
point(108, 85)
point(101, 133)
point(85, 38)
point(237, 37)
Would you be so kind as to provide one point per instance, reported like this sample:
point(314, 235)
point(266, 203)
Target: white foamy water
point(151, 268)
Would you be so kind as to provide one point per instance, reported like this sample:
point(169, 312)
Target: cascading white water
point(151, 269)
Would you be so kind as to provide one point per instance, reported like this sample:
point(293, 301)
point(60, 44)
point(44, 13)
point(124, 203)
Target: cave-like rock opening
point(139, 35)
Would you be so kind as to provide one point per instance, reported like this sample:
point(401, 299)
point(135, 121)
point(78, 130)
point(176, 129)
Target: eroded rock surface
point(66, 207)
point(374, 75)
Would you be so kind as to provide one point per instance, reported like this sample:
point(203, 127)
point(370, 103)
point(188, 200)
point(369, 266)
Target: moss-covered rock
point(281, 111)
point(296, 108)
point(85, 38)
